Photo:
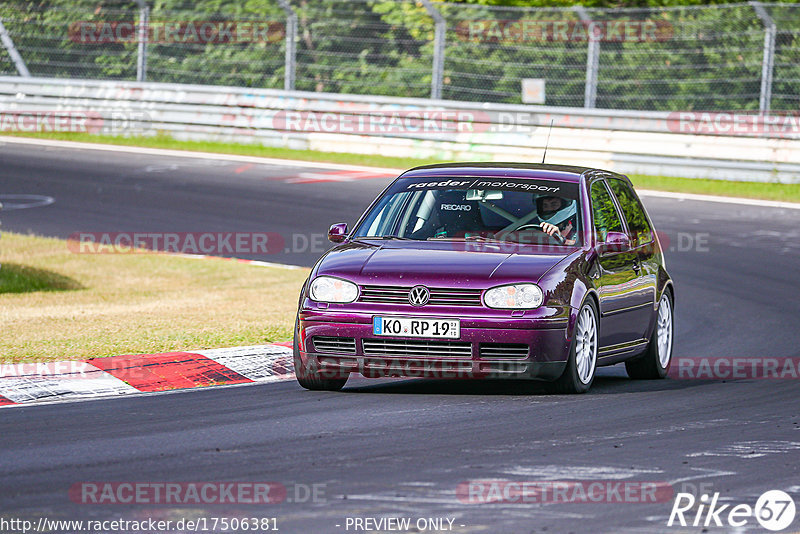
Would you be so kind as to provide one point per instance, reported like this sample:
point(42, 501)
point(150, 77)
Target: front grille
point(454, 297)
point(501, 351)
point(334, 345)
point(403, 348)
point(440, 296)
point(387, 294)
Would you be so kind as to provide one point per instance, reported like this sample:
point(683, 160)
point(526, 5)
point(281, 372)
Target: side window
point(385, 216)
point(606, 218)
point(633, 211)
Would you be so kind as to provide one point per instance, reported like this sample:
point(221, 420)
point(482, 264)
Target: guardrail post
point(22, 68)
point(290, 59)
point(141, 58)
point(439, 36)
point(592, 60)
point(768, 59)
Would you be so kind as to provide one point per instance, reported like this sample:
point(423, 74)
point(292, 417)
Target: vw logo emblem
point(419, 295)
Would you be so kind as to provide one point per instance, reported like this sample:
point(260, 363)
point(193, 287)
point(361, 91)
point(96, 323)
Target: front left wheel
point(310, 378)
point(582, 361)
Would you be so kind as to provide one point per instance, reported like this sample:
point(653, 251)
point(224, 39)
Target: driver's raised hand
point(550, 229)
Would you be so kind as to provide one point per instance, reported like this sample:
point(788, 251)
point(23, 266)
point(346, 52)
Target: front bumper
point(489, 347)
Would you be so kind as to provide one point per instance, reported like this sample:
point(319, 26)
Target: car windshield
point(481, 209)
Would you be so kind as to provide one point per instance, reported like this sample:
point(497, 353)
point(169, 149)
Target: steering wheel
point(533, 226)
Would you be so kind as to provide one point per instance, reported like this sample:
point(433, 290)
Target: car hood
point(438, 264)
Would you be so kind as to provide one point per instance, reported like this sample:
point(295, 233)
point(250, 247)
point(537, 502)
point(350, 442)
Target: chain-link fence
point(727, 57)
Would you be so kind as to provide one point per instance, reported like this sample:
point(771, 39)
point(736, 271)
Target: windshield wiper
point(387, 236)
point(466, 238)
point(481, 238)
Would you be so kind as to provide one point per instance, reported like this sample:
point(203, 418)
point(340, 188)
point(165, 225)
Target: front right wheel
point(655, 362)
point(314, 379)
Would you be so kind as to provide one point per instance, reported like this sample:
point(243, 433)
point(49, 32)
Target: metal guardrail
point(624, 141)
point(735, 56)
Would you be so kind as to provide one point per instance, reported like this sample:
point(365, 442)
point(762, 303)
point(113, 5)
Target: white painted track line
point(318, 165)
point(191, 154)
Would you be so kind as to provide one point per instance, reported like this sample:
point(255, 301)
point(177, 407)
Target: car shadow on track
point(609, 381)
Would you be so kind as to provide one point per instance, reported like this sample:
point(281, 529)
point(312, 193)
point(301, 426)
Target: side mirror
point(615, 242)
point(337, 232)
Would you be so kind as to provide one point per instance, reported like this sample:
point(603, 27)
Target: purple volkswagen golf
point(490, 270)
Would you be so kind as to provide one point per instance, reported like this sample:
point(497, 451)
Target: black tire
point(649, 366)
point(569, 382)
point(312, 379)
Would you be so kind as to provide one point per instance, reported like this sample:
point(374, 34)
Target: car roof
point(567, 173)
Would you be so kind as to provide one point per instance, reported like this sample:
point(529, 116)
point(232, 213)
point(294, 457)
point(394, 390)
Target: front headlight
point(330, 289)
point(514, 297)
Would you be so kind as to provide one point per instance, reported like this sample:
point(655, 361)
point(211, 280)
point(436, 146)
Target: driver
point(557, 216)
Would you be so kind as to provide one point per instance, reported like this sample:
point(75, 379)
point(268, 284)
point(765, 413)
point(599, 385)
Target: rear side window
point(641, 232)
point(606, 218)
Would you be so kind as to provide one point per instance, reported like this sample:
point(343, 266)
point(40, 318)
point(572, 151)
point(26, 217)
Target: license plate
point(416, 327)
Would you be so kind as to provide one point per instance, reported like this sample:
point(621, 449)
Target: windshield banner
point(564, 189)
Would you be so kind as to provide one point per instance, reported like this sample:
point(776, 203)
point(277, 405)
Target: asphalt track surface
point(401, 447)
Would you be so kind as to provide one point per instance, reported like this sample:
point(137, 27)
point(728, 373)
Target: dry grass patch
point(58, 305)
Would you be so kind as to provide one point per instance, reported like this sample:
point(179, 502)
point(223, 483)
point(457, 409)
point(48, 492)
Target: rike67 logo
point(774, 510)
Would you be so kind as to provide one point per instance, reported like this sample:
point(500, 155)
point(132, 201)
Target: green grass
point(16, 278)
point(767, 191)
